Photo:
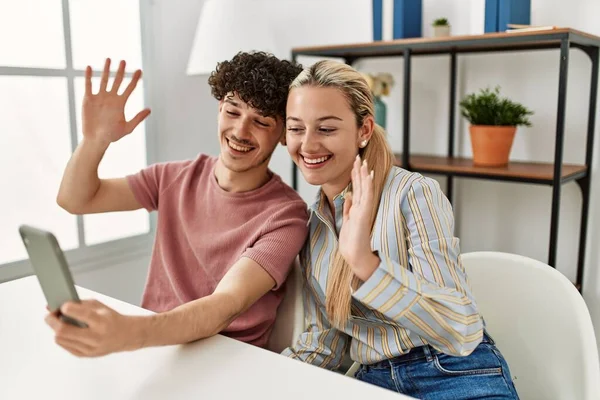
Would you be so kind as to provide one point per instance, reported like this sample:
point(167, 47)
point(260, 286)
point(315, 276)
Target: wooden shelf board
point(496, 41)
point(464, 166)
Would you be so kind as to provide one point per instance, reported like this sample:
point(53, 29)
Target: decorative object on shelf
point(490, 23)
point(380, 112)
point(499, 14)
point(397, 19)
point(380, 85)
point(494, 121)
point(377, 19)
point(441, 27)
point(516, 28)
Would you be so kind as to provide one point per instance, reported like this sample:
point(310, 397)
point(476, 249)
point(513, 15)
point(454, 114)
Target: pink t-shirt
point(204, 230)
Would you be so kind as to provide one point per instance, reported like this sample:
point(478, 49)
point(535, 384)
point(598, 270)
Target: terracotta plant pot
point(491, 144)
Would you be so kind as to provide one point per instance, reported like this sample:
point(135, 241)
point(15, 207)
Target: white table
point(32, 366)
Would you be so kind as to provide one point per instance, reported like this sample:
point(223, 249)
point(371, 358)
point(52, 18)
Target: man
point(228, 228)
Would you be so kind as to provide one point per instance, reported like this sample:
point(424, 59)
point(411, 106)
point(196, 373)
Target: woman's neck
point(331, 190)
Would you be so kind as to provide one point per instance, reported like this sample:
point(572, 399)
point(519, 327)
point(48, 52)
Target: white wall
point(183, 107)
point(490, 215)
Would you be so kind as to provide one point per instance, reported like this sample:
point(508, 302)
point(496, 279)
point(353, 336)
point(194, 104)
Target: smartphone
point(51, 268)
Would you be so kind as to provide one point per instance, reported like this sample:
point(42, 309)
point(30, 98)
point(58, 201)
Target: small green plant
point(488, 108)
point(440, 22)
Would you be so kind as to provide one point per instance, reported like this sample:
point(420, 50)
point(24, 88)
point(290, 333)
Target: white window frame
point(120, 251)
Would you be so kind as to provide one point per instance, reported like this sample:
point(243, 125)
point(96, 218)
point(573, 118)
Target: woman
point(382, 267)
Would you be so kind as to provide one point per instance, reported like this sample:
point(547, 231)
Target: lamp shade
point(226, 27)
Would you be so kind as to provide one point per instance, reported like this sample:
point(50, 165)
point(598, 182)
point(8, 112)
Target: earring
point(363, 143)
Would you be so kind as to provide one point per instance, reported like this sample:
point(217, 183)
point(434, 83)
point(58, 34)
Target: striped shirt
point(419, 293)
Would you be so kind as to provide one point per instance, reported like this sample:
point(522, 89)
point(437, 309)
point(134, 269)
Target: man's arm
point(82, 192)
point(103, 117)
point(109, 331)
point(243, 285)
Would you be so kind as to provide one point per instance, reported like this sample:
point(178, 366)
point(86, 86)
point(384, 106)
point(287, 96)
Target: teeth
point(316, 160)
point(239, 148)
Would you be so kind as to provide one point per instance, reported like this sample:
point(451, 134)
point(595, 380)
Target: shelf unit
point(554, 174)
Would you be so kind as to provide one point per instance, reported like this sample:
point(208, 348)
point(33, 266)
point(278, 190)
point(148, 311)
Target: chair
point(289, 323)
point(540, 324)
point(352, 370)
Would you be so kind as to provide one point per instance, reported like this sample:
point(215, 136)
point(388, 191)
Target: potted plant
point(380, 85)
point(441, 27)
point(494, 121)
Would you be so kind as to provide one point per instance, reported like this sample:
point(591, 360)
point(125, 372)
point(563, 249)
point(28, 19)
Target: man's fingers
point(61, 328)
point(118, 77)
point(52, 321)
point(83, 312)
point(135, 121)
point(105, 73)
point(93, 303)
point(75, 347)
point(67, 332)
point(134, 80)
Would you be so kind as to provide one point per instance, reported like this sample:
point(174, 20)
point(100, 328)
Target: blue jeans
point(425, 373)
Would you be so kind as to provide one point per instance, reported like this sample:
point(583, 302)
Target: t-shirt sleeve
point(284, 236)
point(150, 182)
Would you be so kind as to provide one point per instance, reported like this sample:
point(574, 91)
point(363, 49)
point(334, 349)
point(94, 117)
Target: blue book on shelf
point(377, 19)
point(408, 19)
point(513, 12)
point(491, 15)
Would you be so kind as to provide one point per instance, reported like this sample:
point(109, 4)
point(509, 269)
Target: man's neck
point(238, 182)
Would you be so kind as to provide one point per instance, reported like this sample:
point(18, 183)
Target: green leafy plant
point(440, 22)
point(488, 108)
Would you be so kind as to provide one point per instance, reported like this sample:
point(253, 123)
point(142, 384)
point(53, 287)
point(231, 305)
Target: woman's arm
point(428, 293)
point(430, 296)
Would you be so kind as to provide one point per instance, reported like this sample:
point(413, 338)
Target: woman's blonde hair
point(379, 158)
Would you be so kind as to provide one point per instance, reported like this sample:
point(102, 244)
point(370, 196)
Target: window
point(41, 88)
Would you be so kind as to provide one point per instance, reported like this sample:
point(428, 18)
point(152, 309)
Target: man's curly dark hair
point(260, 79)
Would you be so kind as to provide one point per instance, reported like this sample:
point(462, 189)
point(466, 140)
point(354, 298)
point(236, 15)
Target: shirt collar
point(319, 203)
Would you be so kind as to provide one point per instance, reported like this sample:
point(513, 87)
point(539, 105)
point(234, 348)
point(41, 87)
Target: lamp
point(226, 27)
